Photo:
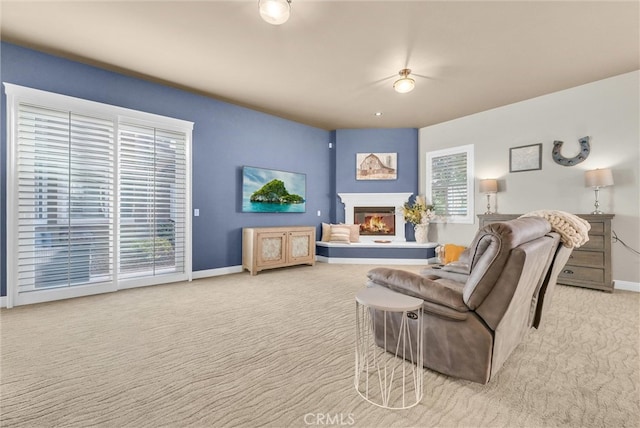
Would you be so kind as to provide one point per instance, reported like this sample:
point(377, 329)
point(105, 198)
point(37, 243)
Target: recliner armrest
point(421, 287)
point(458, 273)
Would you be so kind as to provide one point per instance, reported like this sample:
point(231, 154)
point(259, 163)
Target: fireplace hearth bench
point(398, 253)
point(386, 208)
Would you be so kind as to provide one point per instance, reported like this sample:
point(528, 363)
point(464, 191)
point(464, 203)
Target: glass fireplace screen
point(375, 220)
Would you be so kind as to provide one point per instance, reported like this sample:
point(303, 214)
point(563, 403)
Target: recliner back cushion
point(490, 250)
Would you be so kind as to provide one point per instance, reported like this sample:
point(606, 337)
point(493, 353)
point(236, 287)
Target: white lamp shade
point(274, 12)
point(404, 85)
point(489, 185)
point(598, 178)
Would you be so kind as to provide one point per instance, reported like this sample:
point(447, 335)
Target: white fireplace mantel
point(397, 200)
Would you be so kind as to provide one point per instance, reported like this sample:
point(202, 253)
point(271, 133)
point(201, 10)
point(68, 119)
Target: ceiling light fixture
point(275, 12)
point(404, 84)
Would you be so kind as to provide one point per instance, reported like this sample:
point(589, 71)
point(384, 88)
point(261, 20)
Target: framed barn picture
point(376, 166)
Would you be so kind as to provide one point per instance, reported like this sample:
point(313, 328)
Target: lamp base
point(596, 204)
point(488, 204)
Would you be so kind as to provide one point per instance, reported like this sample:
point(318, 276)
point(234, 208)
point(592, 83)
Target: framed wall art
point(525, 158)
point(272, 191)
point(376, 166)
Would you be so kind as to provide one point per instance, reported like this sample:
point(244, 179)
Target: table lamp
point(489, 186)
point(598, 178)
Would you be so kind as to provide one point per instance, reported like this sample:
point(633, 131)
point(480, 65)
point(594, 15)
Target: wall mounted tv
point(272, 191)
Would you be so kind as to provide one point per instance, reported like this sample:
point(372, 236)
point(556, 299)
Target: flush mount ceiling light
point(405, 83)
point(275, 12)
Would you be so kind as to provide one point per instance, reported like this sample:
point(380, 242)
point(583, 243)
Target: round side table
point(389, 348)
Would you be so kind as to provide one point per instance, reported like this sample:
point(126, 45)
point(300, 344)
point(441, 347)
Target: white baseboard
point(216, 272)
point(365, 261)
point(626, 285)
point(618, 285)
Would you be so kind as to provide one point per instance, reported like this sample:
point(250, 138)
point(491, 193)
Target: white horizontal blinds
point(449, 190)
point(91, 199)
point(65, 193)
point(136, 160)
point(43, 188)
point(171, 199)
point(152, 201)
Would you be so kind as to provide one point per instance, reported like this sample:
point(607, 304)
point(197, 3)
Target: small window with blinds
point(450, 183)
point(98, 197)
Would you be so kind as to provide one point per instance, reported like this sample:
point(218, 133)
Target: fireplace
point(378, 221)
point(384, 210)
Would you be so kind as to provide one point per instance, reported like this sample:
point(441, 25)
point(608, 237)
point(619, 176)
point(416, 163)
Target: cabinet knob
point(568, 271)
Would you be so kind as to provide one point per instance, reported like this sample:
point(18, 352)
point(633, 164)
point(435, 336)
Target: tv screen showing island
point(273, 191)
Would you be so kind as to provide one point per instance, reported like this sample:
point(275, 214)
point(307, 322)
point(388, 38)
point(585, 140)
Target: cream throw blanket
point(573, 230)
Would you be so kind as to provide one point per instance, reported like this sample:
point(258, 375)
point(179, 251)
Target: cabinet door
point(301, 247)
point(271, 248)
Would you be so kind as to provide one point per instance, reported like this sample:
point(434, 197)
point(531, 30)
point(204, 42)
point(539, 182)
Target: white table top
point(384, 299)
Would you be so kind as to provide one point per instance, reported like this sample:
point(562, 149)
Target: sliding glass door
point(65, 199)
point(152, 202)
point(98, 197)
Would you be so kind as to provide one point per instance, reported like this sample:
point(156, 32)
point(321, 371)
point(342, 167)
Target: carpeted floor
point(277, 350)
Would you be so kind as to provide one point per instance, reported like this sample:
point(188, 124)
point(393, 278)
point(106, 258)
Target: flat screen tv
point(272, 191)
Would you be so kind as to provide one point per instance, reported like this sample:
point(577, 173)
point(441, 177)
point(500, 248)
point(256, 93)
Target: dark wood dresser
point(590, 265)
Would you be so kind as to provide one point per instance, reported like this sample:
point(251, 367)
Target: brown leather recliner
point(477, 311)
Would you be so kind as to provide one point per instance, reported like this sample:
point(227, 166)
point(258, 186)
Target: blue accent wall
point(225, 138)
point(349, 142)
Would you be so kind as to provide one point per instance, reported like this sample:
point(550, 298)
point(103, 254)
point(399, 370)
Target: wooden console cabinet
point(590, 265)
point(274, 247)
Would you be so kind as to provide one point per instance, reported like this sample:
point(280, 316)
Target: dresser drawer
point(594, 243)
point(581, 273)
point(588, 266)
point(597, 228)
point(586, 258)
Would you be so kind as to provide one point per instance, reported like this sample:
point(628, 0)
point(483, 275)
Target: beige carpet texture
point(277, 350)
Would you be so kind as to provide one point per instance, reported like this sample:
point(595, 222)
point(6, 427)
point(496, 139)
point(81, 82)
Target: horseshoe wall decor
point(585, 148)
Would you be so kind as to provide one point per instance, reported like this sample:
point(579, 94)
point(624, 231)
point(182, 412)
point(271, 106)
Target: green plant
point(160, 248)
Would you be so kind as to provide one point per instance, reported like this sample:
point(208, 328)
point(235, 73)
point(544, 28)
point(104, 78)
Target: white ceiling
point(333, 64)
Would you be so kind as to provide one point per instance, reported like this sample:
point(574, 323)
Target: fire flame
point(376, 224)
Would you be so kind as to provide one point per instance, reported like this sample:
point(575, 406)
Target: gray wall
point(605, 110)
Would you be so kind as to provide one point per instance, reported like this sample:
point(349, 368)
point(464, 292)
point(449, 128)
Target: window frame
point(15, 95)
point(468, 149)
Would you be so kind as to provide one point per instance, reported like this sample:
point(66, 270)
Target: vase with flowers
point(419, 213)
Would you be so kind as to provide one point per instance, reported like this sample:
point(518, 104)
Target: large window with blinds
point(449, 183)
point(98, 197)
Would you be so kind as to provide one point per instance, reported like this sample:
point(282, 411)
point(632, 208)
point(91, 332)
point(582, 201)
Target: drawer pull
point(568, 271)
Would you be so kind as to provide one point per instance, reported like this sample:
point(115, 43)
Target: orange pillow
point(452, 252)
